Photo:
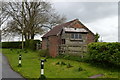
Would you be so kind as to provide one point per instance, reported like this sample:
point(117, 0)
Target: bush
point(29, 44)
point(43, 53)
point(69, 65)
point(104, 52)
point(12, 44)
point(57, 63)
point(80, 69)
point(62, 63)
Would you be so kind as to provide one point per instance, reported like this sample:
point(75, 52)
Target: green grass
point(31, 67)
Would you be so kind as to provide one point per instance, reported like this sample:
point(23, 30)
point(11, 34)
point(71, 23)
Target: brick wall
point(90, 38)
point(44, 43)
point(53, 46)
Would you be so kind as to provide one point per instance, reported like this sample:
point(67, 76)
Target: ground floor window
point(63, 41)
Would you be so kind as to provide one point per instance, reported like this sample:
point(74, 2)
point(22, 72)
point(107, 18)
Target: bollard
point(19, 62)
point(42, 69)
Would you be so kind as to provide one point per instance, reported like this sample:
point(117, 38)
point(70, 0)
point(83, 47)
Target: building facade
point(70, 37)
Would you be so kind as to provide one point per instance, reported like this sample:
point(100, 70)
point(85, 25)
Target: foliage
point(0, 44)
point(12, 44)
point(28, 18)
point(43, 53)
point(31, 67)
point(104, 52)
point(97, 36)
point(63, 63)
point(69, 65)
point(57, 63)
point(70, 57)
point(30, 44)
point(80, 69)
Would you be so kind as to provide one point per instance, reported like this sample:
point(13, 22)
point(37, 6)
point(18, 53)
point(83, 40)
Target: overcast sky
point(100, 17)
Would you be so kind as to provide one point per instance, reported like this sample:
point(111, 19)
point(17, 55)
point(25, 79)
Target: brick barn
point(70, 37)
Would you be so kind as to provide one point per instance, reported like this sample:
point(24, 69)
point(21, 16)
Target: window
point(63, 41)
point(72, 36)
point(80, 36)
point(76, 36)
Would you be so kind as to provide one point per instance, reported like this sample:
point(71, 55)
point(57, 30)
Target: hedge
point(12, 44)
point(104, 52)
point(29, 44)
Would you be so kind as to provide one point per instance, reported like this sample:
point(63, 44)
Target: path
point(7, 72)
point(96, 76)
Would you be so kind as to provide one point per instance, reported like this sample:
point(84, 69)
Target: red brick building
point(70, 37)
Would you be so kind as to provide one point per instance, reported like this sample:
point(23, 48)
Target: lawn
point(31, 66)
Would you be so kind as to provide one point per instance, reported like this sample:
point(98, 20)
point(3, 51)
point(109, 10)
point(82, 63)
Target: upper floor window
point(76, 36)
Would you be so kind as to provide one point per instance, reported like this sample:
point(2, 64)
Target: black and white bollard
point(19, 62)
point(42, 69)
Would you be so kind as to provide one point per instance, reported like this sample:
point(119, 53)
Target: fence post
point(19, 62)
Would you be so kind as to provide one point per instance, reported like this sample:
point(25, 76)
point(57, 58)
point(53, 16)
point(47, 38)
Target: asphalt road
point(7, 72)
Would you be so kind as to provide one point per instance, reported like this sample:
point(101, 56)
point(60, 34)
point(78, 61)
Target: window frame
point(76, 36)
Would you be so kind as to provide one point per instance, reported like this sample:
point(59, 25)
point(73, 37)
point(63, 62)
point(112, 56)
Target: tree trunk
point(25, 36)
point(32, 36)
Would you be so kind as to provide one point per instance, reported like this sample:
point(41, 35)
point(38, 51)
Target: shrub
point(57, 63)
point(62, 63)
point(29, 44)
point(69, 65)
point(43, 53)
point(104, 52)
point(12, 44)
point(80, 69)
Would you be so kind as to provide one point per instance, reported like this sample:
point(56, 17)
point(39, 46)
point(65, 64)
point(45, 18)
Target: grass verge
point(53, 67)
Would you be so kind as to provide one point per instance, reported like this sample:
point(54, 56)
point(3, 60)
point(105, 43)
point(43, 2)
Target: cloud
point(101, 17)
point(107, 28)
point(86, 11)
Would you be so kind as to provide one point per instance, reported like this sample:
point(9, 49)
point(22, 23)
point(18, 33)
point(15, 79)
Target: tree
point(97, 36)
point(29, 18)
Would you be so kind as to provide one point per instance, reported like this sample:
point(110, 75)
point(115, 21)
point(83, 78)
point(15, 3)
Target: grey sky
point(101, 17)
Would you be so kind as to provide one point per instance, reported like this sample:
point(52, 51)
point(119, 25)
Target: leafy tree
point(97, 36)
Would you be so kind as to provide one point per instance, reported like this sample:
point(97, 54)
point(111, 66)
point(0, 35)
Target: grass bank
point(31, 66)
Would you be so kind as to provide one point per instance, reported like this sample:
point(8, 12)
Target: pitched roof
point(58, 28)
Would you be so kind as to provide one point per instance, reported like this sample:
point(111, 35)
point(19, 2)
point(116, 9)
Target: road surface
point(7, 72)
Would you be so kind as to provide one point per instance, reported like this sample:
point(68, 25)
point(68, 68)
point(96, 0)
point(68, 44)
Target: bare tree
point(29, 18)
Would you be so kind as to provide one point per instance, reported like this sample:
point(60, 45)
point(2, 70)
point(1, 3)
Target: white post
point(19, 63)
point(42, 67)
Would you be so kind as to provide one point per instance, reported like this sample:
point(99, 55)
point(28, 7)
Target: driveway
point(7, 72)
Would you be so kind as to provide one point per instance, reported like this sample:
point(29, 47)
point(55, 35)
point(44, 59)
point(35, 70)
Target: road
point(7, 72)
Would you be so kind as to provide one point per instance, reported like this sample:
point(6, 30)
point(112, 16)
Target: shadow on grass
point(105, 66)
